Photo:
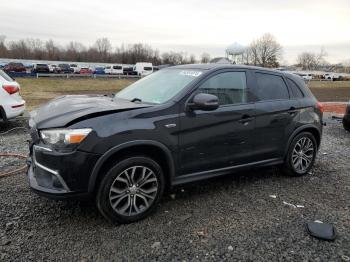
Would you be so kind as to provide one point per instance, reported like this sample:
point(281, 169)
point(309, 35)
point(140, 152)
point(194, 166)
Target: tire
point(122, 184)
point(346, 123)
point(298, 162)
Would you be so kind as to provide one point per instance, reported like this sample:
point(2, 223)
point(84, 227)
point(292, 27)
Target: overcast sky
point(192, 26)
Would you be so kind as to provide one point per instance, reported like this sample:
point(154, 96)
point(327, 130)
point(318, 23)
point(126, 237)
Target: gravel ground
point(228, 218)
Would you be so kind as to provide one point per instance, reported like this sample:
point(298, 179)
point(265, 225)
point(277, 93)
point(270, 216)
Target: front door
point(216, 139)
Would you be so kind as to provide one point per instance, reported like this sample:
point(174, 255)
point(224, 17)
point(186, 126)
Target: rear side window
point(295, 90)
point(271, 87)
point(229, 87)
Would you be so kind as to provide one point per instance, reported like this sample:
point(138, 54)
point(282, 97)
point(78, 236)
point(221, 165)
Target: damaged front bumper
point(60, 175)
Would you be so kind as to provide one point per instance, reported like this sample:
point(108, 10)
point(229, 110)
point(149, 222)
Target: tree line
point(265, 51)
point(101, 51)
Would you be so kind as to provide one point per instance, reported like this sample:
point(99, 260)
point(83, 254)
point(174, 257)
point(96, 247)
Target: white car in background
point(114, 69)
point(52, 68)
point(11, 103)
point(143, 69)
point(331, 76)
point(76, 68)
point(306, 76)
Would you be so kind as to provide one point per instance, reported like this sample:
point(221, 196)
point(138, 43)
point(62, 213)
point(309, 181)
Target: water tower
point(235, 50)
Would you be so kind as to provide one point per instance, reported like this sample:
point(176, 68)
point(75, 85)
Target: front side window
point(159, 87)
point(271, 87)
point(229, 87)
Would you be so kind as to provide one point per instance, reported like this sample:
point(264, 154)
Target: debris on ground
point(322, 231)
point(156, 245)
point(289, 204)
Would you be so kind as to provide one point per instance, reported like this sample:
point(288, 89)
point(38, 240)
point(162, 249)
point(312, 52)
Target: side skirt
point(222, 171)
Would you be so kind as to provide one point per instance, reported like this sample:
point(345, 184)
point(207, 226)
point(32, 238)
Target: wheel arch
point(3, 114)
point(306, 128)
point(153, 149)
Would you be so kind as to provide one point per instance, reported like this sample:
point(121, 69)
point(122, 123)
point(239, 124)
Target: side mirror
point(205, 102)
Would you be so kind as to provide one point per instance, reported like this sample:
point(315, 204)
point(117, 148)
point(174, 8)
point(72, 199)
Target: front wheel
point(301, 154)
point(130, 190)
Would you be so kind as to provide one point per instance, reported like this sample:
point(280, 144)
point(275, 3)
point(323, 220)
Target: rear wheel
point(301, 154)
point(131, 190)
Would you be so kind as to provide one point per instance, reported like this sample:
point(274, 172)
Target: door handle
point(246, 119)
point(292, 111)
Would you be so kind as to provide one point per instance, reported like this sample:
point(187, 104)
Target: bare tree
point(52, 51)
point(3, 48)
point(312, 61)
point(205, 58)
point(36, 47)
point(74, 51)
point(103, 47)
point(265, 51)
point(192, 59)
point(19, 49)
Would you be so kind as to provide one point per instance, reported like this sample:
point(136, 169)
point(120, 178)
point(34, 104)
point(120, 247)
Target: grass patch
point(329, 84)
point(39, 91)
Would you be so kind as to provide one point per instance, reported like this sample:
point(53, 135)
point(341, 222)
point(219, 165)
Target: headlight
point(64, 138)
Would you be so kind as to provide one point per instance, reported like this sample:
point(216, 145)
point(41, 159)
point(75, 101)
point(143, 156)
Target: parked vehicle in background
point(65, 69)
point(331, 76)
point(99, 70)
point(305, 76)
point(181, 124)
point(53, 68)
point(14, 67)
point(75, 67)
point(143, 69)
point(40, 68)
point(346, 118)
point(160, 67)
point(114, 69)
point(85, 71)
point(129, 70)
point(11, 103)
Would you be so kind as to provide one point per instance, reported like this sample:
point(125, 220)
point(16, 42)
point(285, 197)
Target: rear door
point(216, 139)
point(276, 115)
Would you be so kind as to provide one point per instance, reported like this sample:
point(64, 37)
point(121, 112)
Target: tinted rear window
point(271, 87)
point(295, 90)
point(117, 67)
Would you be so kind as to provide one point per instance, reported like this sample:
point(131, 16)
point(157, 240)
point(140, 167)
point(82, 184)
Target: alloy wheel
point(133, 191)
point(303, 154)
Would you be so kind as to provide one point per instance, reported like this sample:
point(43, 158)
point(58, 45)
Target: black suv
point(40, 68)
point(178, 125)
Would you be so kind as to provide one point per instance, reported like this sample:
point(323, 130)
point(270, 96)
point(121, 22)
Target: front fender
point(116, 149)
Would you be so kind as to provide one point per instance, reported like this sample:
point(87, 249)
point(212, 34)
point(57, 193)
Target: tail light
point(11, 89)
point(320, 107)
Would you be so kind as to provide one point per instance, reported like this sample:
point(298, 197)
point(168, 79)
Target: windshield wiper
point(136, 100)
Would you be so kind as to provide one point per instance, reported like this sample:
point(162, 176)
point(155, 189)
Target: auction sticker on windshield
point(190, 73)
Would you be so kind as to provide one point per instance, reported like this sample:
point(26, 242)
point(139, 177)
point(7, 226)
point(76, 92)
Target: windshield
point(159, 87)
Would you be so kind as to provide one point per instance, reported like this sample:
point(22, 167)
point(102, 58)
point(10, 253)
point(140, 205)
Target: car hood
point(64, 110)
